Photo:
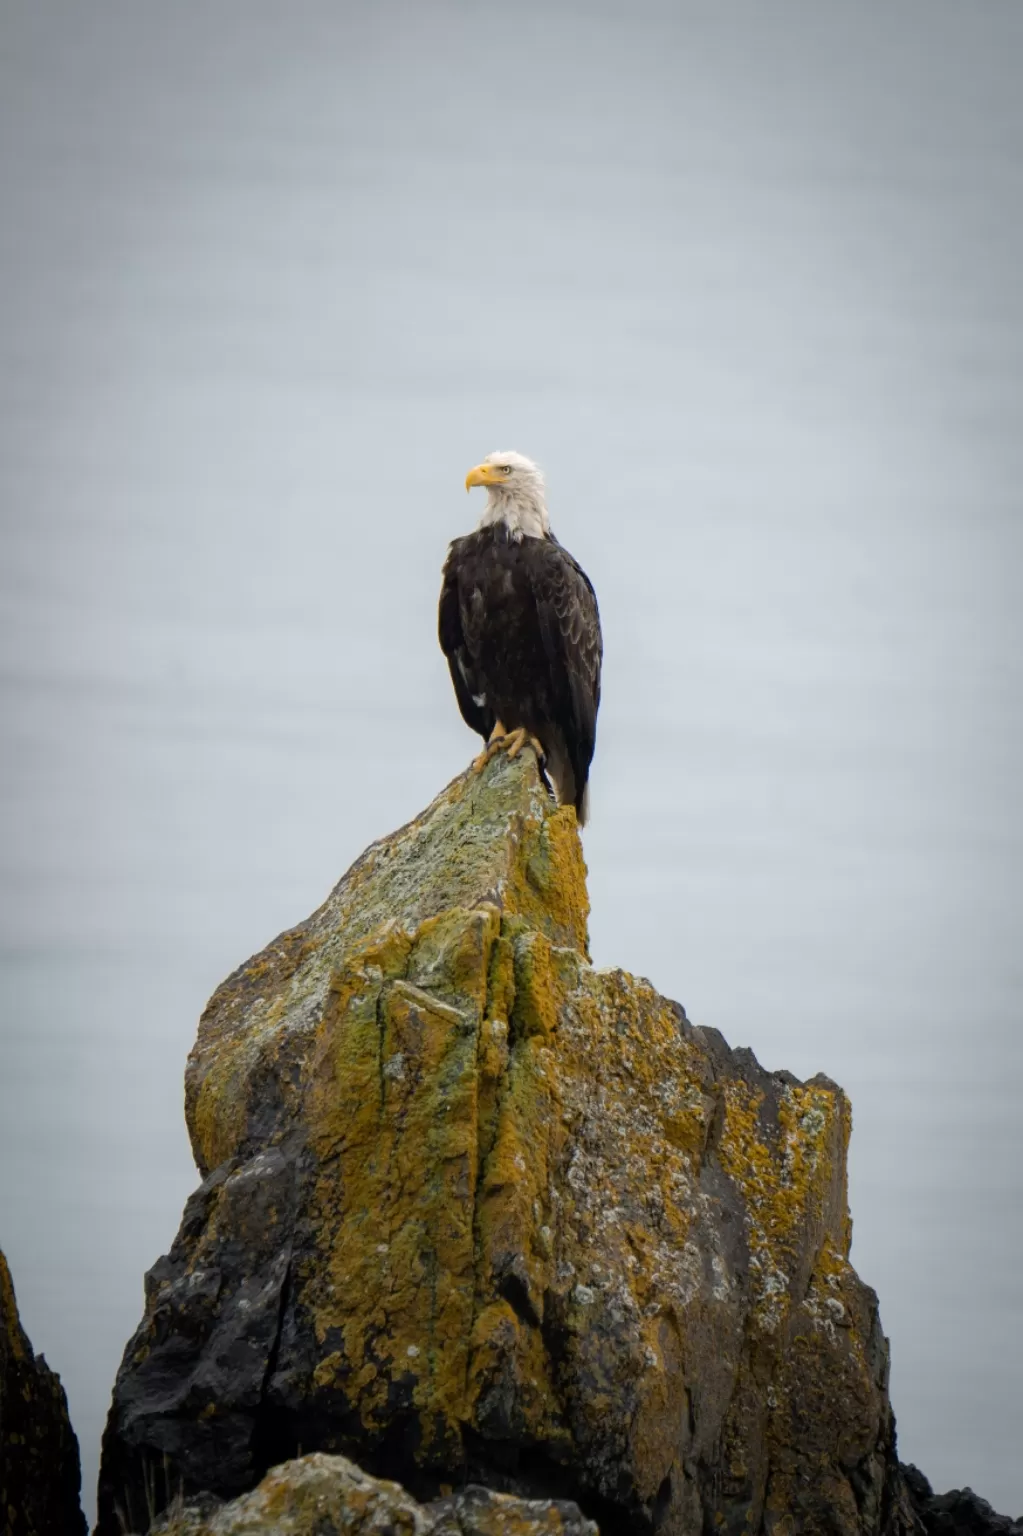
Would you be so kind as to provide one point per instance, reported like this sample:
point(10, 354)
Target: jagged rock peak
point(487, 844)
point(474, 1211)
point(40, 1472)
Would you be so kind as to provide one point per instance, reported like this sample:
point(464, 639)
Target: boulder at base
point(960, 1512)
point(40, 1473)
point(474, 1211)
point(328, 1496)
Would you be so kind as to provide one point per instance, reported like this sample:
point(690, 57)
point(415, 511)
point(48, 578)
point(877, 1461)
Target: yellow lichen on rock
point(392, 1114)
point(811, 1124)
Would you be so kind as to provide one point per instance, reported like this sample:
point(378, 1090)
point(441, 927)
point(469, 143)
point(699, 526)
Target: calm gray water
point(746, 280)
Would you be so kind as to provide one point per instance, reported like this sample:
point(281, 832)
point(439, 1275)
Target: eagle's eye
point(506, 469)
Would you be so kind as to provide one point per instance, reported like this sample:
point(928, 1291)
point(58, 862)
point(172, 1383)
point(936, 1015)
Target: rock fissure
point(382, 1032)
point(264, 1449)
point(491, 1071)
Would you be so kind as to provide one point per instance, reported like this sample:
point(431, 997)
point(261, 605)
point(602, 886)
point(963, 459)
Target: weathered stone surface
point(472, 1209)
point(328, 1496)
point(958, 1513)
point(40, 1473)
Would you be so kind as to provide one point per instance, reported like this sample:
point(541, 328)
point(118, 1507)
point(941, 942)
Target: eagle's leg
point(514, 743)
point(497, 739)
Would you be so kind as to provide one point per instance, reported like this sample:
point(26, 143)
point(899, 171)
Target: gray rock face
point(40, 1472)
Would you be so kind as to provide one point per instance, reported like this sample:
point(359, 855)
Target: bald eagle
point(519, 626)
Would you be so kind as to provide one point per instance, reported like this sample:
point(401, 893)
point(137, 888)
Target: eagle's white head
point(515, 494)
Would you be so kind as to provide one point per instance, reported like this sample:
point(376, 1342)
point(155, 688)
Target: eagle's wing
point(460, 663)
point(566, 606)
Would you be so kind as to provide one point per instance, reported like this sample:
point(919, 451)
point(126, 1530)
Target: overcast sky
point(745, 279)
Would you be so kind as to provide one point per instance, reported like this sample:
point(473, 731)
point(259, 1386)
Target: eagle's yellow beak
point(483, 474)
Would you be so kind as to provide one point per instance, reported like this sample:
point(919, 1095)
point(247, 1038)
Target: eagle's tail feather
point(563, 777)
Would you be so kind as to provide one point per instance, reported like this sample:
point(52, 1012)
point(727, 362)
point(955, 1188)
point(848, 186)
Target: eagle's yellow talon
point(498, 737)
point(511, 742)
point(514, 743)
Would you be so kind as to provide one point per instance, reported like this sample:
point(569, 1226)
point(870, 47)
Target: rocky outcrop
point(40, 1473)
point(958, 1513)
point(329, 1496)
point(473, 1210)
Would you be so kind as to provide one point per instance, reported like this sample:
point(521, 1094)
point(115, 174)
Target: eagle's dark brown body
point(520, 628)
